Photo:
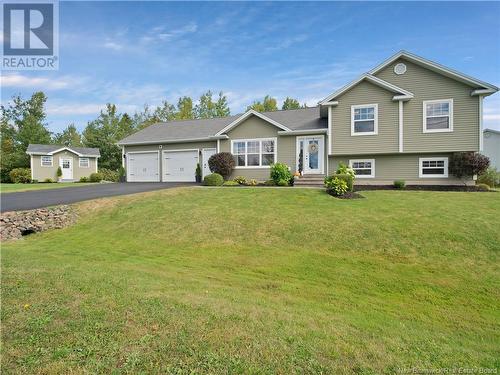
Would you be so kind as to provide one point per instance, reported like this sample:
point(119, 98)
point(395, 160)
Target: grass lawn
point(11, 188)
point(258, 281)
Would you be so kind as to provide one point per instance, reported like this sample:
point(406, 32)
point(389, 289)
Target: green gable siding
point(386, 141)
point(428, 85)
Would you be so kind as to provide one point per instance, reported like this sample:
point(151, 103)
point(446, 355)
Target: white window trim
point(420, 168)
point(424, 115)
point(372, 175)
point(260, 152)
point(51, 161)
point(375, 126)
point(80, 162)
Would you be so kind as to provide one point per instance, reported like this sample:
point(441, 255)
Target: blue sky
point(136, 53)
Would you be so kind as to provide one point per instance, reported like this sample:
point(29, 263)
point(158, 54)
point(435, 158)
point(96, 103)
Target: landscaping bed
point(422, 188)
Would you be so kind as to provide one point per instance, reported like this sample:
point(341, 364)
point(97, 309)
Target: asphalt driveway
point(29, 200)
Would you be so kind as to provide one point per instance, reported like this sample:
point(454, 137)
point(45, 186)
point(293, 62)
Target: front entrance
point(205, 155)
point(66, 165)
point(311, 154)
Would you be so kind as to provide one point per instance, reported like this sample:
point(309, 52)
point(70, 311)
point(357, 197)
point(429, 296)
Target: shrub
point(214, 179)
point(269, 183)
point(482, 187)
point(34, 181)
point(84, 179)
point(490, 177)
point(59, 172)
point(109, 174)
point(20, 175)
point(230, 183)
point(399, 184)
point(345, 169)
point(252, 182)
point(283, 183)
point(468, 164)
point(121, 171)
point(48, 181)
point(222, 164)
point(348, 178)
point(240, 180)
point(197, 172)
point(280, 172)
point(337, 186)
point(95, 177)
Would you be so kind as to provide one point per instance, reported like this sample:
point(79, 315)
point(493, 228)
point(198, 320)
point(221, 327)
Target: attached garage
point(180, 165)
point(143, 166)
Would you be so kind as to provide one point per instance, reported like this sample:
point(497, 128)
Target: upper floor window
point(253, 153)
point(46, 161)
point(438, 116)
point(84, 162)
point(364, 119)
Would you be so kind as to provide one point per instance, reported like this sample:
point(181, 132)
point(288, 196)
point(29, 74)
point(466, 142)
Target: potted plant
point(59, 174)
point(197, 173)
point(301, 162)
point(121, 174)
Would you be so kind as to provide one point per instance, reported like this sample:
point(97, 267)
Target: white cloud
point(22, 81)
point(161, 34)
point(288, 42)
point(113, 45)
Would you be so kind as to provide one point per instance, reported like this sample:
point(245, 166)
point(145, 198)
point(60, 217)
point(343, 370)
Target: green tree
point(69, 137)
point(290, 103)
point(105, 131)
point(268, 105)
point(221, 106)
point(205, 107)
point(185, 108)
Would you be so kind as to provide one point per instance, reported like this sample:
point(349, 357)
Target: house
point(75, 162)
point(492, 147)
point(401, 120)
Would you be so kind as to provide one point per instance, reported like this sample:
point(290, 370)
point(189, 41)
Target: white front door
point(180, 165)
point(206, 153)
point(310, 153)
point(66, 165)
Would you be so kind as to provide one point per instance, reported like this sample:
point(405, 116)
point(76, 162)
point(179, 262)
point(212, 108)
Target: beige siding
point(172, 146)
point(428, 85)
point(385, 141)
point(395, 167)
point(41, 173)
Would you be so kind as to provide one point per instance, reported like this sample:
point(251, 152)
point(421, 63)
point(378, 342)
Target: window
point(438, 116)
point(46, 161)
point(364, 119)
point(84, 162)
point(363, 168)
point(252, 153)
point(433, 167)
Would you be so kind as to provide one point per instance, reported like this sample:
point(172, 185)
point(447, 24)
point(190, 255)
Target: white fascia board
point(376, 81)
point(334, 103)
point(435, 67)
point(304, 132)
point(167, 141)
point(246, 115)
point(63, 149)
point(483, 92)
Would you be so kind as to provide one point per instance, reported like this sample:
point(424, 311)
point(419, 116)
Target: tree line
point(23, 121)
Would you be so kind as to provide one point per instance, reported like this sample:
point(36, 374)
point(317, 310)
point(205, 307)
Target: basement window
point(364, 168)
point(433, 167)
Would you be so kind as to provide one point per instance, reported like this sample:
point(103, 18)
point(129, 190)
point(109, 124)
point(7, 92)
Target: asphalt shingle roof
point(42, 149)
point(296, 119)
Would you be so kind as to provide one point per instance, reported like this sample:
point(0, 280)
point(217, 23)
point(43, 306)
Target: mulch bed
point(421, 187)
point(350, 195)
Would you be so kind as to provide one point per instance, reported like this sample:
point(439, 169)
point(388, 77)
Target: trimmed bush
point(283, 183)
point(337, 186)
point(348, 178)
point(109, 174)
point(214, 179)
point(230, 183)
point(84, 179)
point(345, 169)
point(222, 164)
point(59, 172)
point(490, 177)
point(280, 172)
point(482, 187)
point(95, 177)
point(20, 175)
point(468, 164)
point(48, 181)
point(240, 180)
point(399, 184)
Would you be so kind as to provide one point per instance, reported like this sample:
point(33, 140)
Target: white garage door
point(180, 166)
point(143, 167)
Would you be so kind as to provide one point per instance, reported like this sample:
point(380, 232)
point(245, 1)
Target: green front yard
point(10, 188)
point(257, 280)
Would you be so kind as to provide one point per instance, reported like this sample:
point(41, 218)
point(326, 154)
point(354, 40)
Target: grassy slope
point(258, 280)
point(10, 188)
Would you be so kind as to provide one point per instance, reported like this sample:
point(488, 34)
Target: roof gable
point(482, 88)
point(39, 149)
point(246, 115)
point(401, 94)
